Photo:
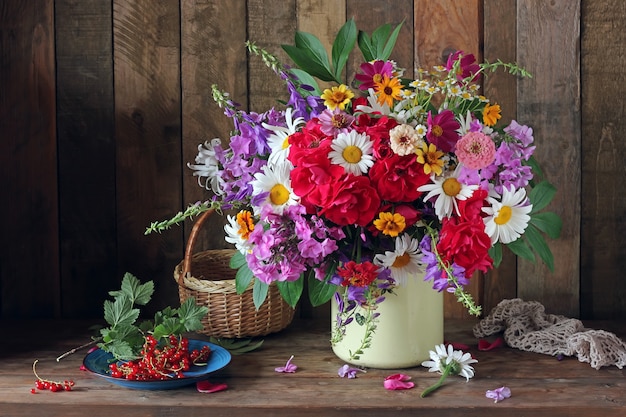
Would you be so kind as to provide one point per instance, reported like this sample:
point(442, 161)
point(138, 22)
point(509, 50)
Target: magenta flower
point(498, 394)
point(209, 387)
point(442, 130)
point(467, 65)
point(374, 72)
point(288, 368)
point(334, 122)
point(397, 382)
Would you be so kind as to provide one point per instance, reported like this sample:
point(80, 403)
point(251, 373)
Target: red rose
point(350, 200)
point(313, 178)
point(377, 128)
point(466, 244)
point(397, 178)
point(471, 208)
point(308, 143)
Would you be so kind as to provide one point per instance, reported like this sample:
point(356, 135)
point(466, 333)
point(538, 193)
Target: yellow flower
point(430, 157)
point(337, 97)
point(491, 114)
point(390, 224)
point(387, 90)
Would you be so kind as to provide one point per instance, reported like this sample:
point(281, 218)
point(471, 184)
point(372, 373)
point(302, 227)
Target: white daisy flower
point(508, 218)
point(276, 182)
point(447, 190)
point(237, 236)
point(207, 166)
point(457, 362)
point(279, 140)
point(404, 261)
point(353, 151)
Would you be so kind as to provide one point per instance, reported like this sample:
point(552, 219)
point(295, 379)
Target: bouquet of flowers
point(355, 189)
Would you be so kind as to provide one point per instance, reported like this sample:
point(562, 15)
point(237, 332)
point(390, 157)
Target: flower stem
point(446, 371)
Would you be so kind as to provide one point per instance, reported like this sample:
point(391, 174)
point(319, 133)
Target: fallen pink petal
point(398, 382)
point(498, 394)
point(348, 372)
point(208, 387)
point(485, 345)
point(288, 368)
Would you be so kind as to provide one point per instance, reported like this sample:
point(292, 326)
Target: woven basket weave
point(208, 278)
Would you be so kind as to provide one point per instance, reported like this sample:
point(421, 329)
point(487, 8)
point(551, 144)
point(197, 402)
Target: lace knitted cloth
point(527, 327)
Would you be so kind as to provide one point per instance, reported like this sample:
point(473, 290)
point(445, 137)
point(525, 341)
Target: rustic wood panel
point(86, 146)
point(269, 27)
point(500, 43)
point(548, 46)
point(603, 293)
point(146, 38)
point(441, 28)
point(29, 246)
point(212, 52)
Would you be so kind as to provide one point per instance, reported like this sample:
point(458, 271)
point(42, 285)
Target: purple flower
point(498, 394)
point(288, 368)
point(347, 372)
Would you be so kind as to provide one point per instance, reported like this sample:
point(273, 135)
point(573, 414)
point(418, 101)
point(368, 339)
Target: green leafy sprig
point(125, 336)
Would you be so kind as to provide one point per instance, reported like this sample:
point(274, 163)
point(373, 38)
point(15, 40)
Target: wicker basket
point(208, 278)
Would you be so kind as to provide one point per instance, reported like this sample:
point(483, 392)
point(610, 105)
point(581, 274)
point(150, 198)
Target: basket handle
point(190, 244)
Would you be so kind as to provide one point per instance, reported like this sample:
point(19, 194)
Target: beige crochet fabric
point(527, 327)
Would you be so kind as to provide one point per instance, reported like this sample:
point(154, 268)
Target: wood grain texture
point(269, 27)
point(212, 52)
point(603, 234)
point(541, 386)
point(29, 246)
point(86, 146)
point(148, 139)
point(441, 28)
point(500, 41)
point(548, 47)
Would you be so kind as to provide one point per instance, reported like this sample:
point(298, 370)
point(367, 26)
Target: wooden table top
point(540, 384)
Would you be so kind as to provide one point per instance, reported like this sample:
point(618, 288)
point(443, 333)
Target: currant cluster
point(54, 386)
point(161, 362)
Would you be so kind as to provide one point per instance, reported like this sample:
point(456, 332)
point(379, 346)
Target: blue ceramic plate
point(97, 362)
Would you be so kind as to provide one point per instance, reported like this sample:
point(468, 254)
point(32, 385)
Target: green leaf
point(120, 311)
point(378, 40)
point(342, 46)
point(237, 346)
point(243, 278)
point(379, 37)
point(365, 45)
point(308, 61)
point(319, 291)
point(548, 222)
point(539, 245)
point(171, 325)
point(259, 293)
point(237, 260)
point(496, 254)
point(520, 248)
point(191, 314)
point(291, 291)
point(306, 79)
point(120, 349)
point(541, 195)
point(136, 292)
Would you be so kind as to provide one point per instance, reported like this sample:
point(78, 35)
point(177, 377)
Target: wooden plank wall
point(102, 104)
